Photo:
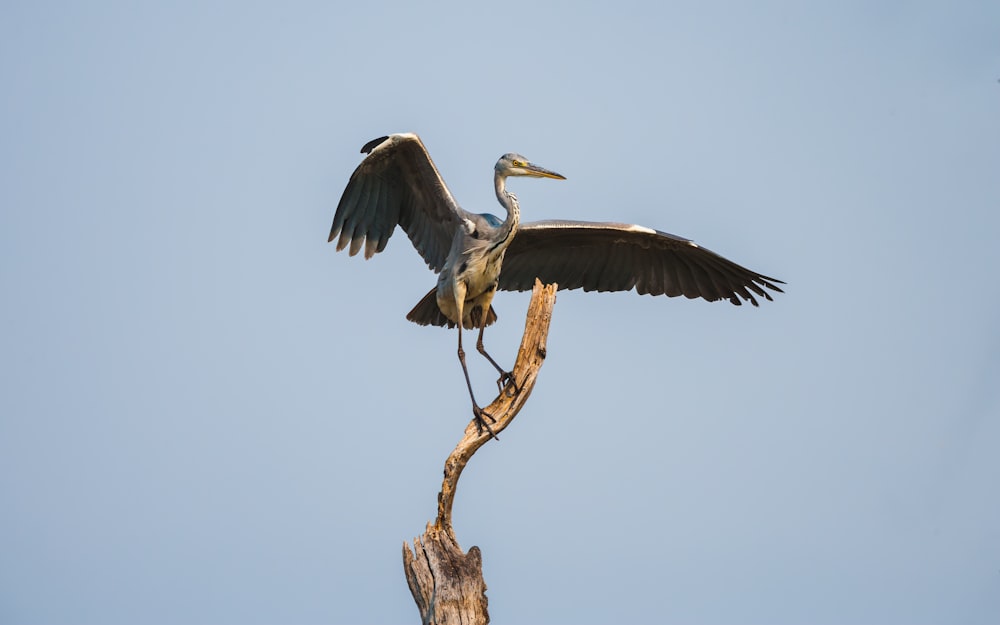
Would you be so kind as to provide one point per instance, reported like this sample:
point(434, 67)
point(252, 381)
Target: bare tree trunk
point(446, 583)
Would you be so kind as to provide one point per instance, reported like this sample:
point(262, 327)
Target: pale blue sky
point(209, 416)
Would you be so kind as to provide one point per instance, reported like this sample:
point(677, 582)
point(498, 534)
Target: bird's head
point(511, 164)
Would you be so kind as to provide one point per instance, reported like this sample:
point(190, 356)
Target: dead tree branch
point(446, 583)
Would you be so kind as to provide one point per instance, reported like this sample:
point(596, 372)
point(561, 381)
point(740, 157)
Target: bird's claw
point(508, 382)
point(481, 421)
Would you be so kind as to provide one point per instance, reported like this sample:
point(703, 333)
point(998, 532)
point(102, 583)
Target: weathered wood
point(446, 583)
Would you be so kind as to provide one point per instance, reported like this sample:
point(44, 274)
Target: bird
point(476, 254)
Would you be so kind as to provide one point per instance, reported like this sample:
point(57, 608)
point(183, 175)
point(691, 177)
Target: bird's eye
point(518, 163)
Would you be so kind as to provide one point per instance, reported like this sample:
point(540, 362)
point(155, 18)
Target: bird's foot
point(507, 382)
point(481, 416)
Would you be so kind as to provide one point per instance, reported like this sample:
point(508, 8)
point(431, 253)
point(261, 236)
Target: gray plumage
point(476, 254)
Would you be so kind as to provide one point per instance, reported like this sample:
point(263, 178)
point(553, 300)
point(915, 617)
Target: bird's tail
point(427, 313)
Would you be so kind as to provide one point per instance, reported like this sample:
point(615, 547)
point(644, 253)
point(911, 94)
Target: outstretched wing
point(397, 183)
point(618, 257)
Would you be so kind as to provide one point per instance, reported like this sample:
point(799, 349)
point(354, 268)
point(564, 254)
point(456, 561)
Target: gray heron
point(476, 254)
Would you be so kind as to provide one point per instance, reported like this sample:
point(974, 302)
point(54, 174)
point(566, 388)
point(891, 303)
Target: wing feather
point(654, 273)
point(627, 260)
point(397, 184)
point(671, 284)
point(619, 257)
point(608, 274)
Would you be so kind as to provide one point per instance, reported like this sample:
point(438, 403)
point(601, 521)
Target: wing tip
point(374, 143)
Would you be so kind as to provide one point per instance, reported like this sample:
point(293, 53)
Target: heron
point(475, 254)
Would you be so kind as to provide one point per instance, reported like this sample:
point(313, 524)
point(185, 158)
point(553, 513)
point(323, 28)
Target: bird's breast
point(480, 275)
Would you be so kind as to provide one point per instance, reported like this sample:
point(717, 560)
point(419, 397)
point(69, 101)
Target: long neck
point(509, 202)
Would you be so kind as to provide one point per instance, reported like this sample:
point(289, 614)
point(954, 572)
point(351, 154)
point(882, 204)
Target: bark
point(446, 583)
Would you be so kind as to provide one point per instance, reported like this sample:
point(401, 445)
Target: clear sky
point(209, 416)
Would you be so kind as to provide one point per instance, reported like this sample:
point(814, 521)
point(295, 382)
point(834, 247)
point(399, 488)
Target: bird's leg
point(506, 377)
point(476, 410)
